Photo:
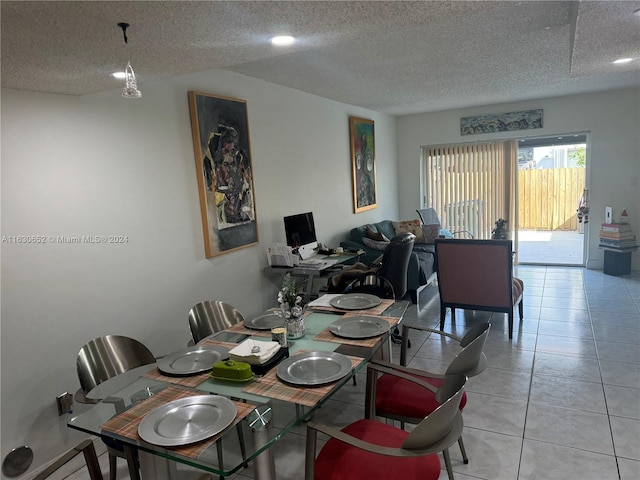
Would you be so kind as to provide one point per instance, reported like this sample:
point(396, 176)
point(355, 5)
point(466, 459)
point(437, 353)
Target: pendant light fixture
point(130, 89)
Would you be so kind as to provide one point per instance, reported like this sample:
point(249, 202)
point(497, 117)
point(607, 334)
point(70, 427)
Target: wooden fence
point(548, 198)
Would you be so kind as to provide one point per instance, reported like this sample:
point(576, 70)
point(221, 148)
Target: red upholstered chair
point(397, 398)
point(477, 275)
point(368, 449)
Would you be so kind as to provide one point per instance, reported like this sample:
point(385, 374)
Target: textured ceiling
point(397, 57)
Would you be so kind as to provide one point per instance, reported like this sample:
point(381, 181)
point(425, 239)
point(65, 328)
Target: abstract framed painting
point(363, 164)
point(224, 169)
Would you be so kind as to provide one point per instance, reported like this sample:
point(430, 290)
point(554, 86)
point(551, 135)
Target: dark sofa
point(421, 269)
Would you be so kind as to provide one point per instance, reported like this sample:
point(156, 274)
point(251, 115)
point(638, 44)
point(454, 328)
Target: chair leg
point(220, 459)
point(465, 459)
point(243, 449)
point(447, 462)
point(521, 309)
point(443, 313)
point(132, 462)
point(113, 467)
point(510, 324)
point(91, 459)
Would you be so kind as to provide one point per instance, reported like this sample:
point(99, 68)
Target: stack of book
point(618, 236)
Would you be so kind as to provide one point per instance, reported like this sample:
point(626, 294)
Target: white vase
point(295, 327)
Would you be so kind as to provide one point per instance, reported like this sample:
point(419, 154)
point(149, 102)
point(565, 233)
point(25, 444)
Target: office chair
point(390, 280)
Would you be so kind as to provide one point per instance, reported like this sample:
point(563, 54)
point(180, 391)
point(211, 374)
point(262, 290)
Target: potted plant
point(500, 231)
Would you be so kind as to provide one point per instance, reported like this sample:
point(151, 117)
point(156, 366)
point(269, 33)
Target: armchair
point(369, 449)
point(394, 396)
point(478, 275)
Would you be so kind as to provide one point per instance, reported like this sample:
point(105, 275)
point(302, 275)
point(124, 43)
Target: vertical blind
point(472, 185)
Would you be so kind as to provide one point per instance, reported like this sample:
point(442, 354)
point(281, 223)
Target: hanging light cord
point(124, 26)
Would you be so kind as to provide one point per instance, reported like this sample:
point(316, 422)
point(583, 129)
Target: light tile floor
point(560, 401)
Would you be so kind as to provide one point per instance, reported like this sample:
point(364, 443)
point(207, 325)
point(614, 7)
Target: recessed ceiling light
point(283, 40)
point(623, 60)
point(637, 13)
point(118, 75)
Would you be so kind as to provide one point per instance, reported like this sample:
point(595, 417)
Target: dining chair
point(367, 448)
point(393, 397)
point(99, 360)
point(478, 275)
point(209, 317)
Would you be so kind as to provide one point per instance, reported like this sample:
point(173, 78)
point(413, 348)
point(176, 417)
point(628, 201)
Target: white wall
point(104, 165)
point(613, 171)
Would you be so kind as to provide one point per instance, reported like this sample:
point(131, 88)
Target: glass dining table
point(266, 408)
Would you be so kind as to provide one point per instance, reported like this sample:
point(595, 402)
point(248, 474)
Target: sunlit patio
point(547, 247)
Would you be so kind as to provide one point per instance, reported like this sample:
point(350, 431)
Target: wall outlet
point(608, 215)
point(64, 401)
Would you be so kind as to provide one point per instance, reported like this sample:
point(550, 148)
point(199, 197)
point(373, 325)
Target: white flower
point(289, 300)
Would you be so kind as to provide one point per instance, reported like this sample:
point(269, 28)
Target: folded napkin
point(242, 353)
point(324, 300)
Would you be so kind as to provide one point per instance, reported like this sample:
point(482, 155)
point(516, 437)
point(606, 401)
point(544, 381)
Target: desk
point(311, 273)
point(158, 463)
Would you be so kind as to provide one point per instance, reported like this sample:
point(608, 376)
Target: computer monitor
point(300, 231)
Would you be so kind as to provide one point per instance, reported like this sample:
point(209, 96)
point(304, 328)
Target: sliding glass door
point(537, 184)
point(472, 185)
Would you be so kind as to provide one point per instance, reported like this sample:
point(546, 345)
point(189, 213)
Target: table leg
point(260, 421)
point(155, 467)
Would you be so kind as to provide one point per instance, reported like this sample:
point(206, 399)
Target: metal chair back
point(105, 357)
point(440, 426)
point(210, 317)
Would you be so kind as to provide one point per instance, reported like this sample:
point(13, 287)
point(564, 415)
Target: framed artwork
point(501, 122)
point(363, 164)
point(225, 175)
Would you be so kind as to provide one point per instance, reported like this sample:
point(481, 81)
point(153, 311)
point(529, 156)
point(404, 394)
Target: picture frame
point(502, 122)
point(224, 169)
point(363, 164)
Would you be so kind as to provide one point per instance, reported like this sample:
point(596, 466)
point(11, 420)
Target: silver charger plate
point(187, 420)
point(192, 360)
point(266, 321)
point(359, 327)
point(355, 301)
point(314, 368)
